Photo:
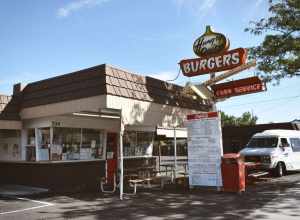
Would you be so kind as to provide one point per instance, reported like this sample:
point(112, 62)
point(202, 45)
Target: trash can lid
point(231, 156)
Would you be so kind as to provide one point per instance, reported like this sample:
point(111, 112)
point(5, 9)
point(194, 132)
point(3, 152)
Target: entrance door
point(111, 156)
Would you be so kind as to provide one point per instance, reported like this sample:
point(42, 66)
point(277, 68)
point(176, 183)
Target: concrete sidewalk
point(274, 199)
point(20, 190)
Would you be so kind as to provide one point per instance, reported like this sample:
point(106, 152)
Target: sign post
point(204, 129)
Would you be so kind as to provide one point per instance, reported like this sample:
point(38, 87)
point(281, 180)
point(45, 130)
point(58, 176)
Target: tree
point(278, 56)
point(246, 119)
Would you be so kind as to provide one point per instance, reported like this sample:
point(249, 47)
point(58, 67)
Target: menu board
point(204, 149)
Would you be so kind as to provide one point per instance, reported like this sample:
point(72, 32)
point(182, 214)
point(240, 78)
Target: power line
point(275, 107)
point(171, 80)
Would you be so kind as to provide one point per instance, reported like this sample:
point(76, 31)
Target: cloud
point(76, 5)
point(258, 3)
point(256, 9)
point(198, 7)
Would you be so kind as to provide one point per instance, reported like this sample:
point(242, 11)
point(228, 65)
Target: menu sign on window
point(204, 149)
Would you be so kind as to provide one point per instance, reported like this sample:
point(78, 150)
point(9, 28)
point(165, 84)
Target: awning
point(169, 132)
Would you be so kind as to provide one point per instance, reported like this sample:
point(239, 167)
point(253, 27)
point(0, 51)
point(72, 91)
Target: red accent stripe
point(202, 115)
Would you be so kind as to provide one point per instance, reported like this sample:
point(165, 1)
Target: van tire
point(280, 169)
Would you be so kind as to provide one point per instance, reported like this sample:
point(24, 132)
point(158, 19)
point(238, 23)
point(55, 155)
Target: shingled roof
point(9, 107)
point(101, 80)
point(145, 88)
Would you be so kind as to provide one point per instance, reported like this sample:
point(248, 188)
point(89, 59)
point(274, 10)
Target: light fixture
point(109, 116)
point(100, 114)
point(86, 114)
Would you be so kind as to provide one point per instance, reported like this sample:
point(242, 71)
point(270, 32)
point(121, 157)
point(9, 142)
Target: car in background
point(276, 151)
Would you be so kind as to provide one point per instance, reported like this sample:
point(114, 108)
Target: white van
point(277, 151)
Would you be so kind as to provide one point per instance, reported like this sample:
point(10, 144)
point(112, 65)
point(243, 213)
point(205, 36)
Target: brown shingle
point(98, 80)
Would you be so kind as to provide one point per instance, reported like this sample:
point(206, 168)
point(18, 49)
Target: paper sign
point(204, 149)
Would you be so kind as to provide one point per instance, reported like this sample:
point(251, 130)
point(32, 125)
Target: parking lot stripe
point(44, 204)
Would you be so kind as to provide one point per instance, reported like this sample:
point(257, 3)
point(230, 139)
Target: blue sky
point(41, 39)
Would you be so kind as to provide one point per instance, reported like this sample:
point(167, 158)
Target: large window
point(166, 147)
point(76, 144)
point(138, 143)
point(10, 145)
point(44, 143)
point(66, 144)
point(92, 145)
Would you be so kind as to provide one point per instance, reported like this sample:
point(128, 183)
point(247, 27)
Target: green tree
point(246, 119)
point(278, 56)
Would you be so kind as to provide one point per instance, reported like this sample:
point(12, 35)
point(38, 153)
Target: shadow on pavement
point(258, 202)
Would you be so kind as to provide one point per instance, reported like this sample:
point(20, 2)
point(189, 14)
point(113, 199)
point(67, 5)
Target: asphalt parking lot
point(273, 199)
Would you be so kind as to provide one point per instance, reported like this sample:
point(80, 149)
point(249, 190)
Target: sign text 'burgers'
point(217, 63)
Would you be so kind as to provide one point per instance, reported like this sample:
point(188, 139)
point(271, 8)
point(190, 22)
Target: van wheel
point(280, 169)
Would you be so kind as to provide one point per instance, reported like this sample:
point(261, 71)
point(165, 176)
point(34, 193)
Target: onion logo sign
point(210, 43)
point(214, 56)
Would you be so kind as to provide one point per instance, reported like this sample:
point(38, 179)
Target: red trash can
point(233, 173)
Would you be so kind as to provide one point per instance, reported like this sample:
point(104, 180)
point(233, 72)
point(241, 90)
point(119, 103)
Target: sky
point(42, 39)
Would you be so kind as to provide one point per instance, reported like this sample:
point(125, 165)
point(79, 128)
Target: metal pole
point(159, 157)
point(175, 153)
point(121, 157)
point(37, 144)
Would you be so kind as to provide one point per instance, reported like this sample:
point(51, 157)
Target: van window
point(263, 142)
point(295, 142)
point(284, 142)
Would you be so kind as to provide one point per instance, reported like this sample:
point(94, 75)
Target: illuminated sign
point(210, 43)
point(217, 63)
point(238, 87)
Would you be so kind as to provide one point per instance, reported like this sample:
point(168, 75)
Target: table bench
point(135, 182)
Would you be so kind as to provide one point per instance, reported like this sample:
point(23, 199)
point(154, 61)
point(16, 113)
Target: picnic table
point(170, 167)
point(143, 176)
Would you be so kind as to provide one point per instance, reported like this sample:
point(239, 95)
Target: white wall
point(86, 104)
point(144, 113)
point(137, 113)
point(70, 121)
point(7, 124)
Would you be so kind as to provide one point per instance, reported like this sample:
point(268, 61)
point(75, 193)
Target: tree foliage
point(278, 56)
point(246, 119)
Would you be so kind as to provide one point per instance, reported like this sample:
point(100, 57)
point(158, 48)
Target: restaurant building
point(64, 130)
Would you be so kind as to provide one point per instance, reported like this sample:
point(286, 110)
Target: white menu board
point(204, 149)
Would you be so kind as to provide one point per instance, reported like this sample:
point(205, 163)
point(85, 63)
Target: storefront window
point(76, 144)
point(138, 143)
point(10, 145)
point(31, 136)
point(66, 143)
point(91, 147)
point(129, 143)
point(44, 143)
point(167, 147)
point(30, 148)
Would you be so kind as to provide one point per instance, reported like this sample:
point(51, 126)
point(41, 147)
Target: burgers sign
point(226, 61)
point(212, 49)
